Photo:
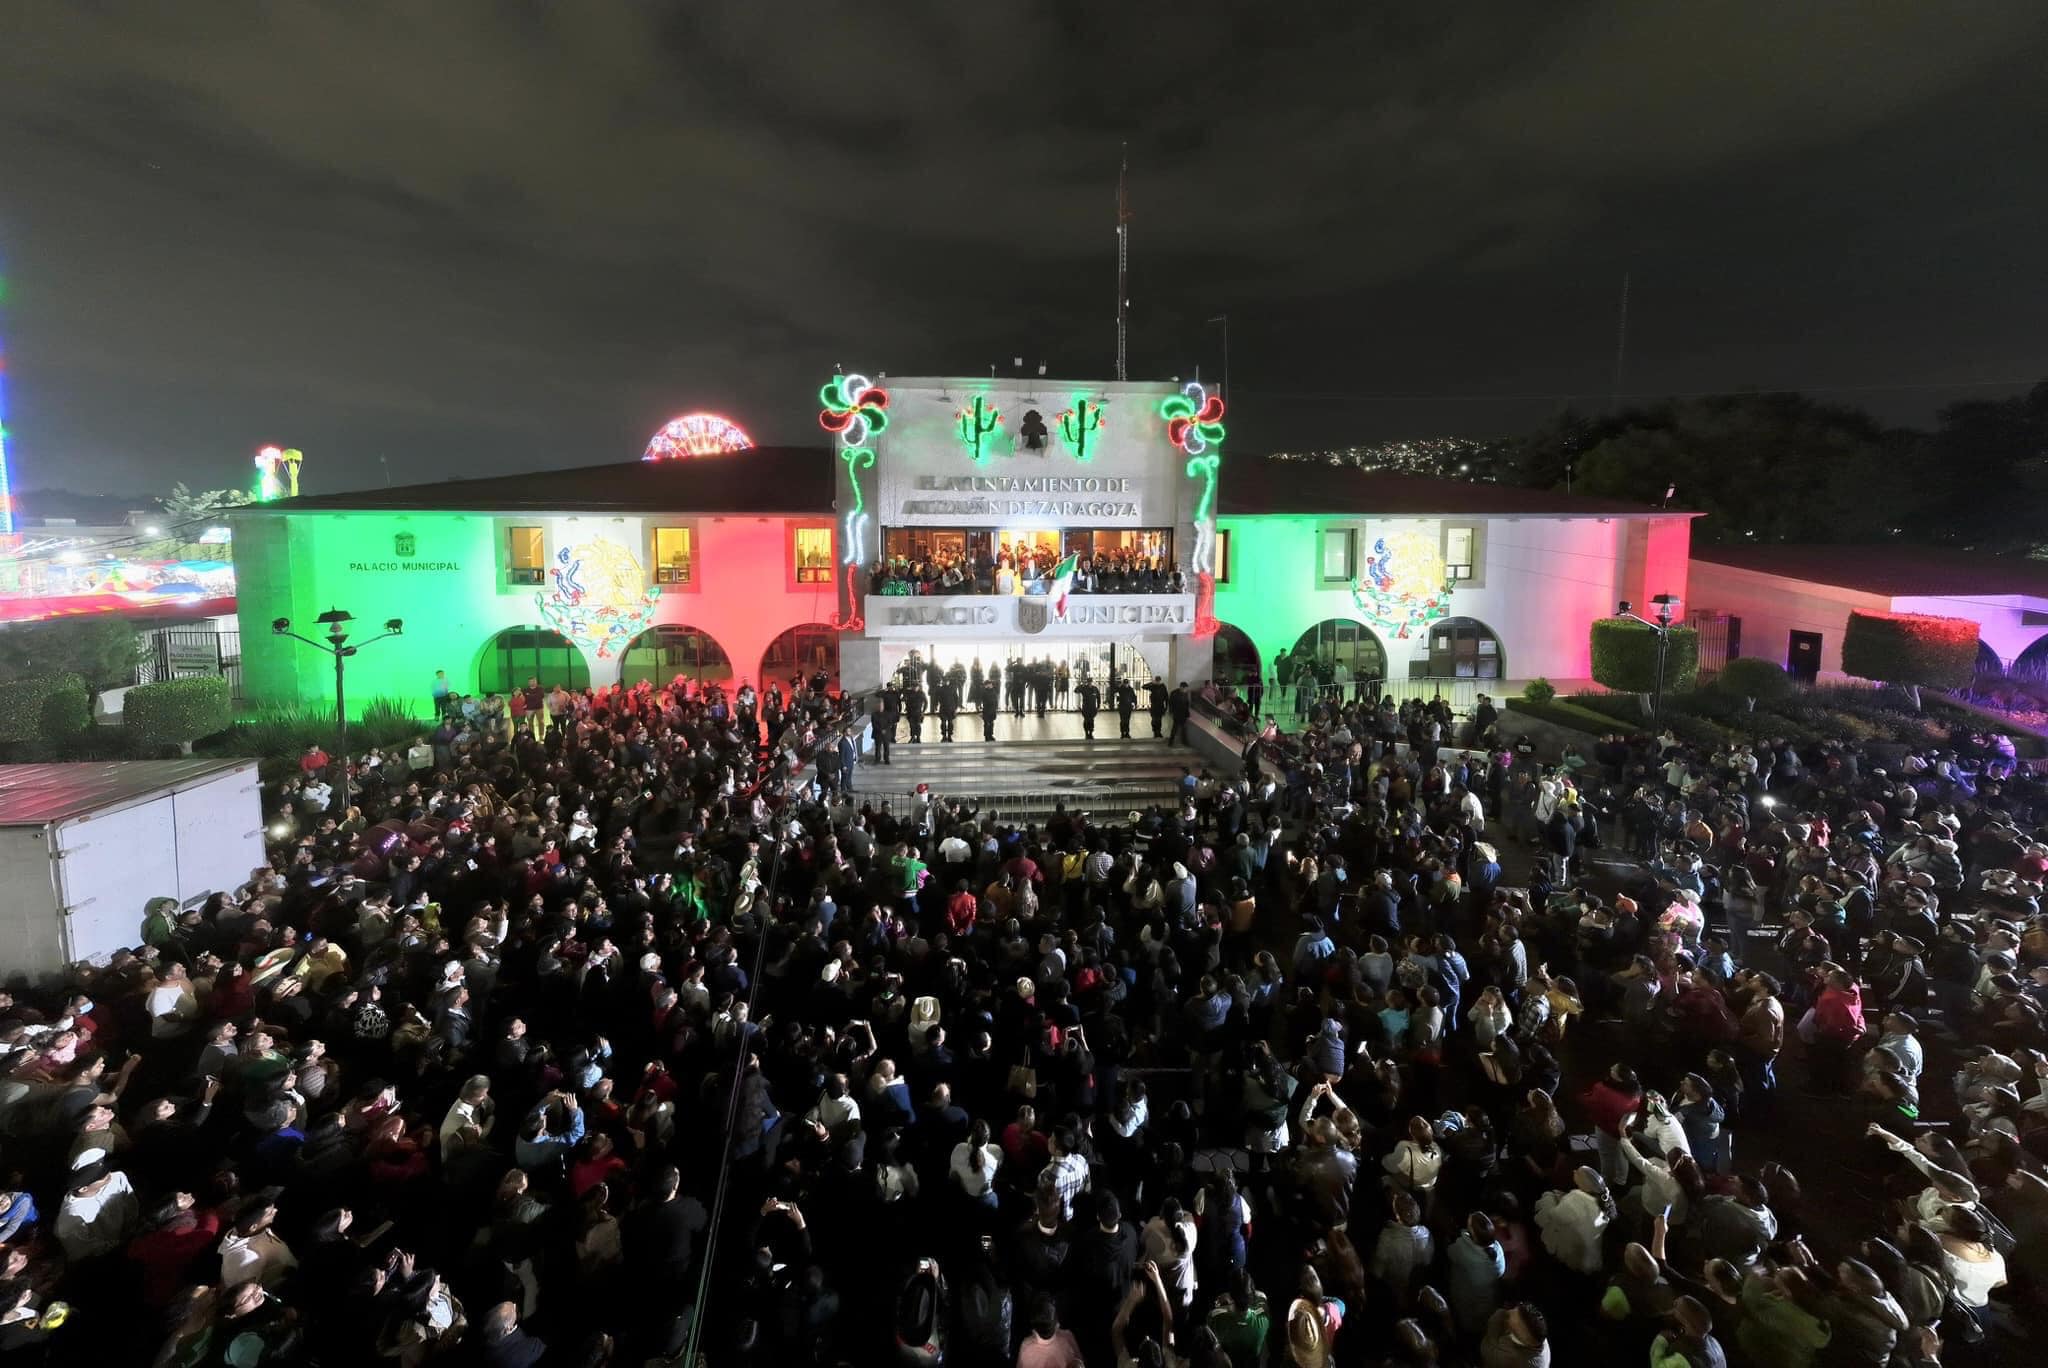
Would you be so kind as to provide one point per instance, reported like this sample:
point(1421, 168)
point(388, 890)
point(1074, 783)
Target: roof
point(31, 795)
point(1888, 568)
point(755, 480)
point(1262, 484)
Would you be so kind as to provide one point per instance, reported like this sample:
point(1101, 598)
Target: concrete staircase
point(1102, 776)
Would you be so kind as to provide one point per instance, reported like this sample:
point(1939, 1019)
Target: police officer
point(885, 722)
point(1126, 704)
point(913, 709)
point(1155, 703)
point(1182, 703)
point(1091, 704)
point(948, 703)
point(991, 703)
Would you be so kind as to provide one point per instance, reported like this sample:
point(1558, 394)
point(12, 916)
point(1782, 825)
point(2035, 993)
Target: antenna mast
point(1123, 267)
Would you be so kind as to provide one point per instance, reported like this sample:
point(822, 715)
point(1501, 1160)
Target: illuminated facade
point(948, 517)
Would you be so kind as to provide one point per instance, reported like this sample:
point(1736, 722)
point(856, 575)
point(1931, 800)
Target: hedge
point(177, 712)
point(1625, 656)
point(1912, 649)
point(41, 707)
point(1754, 677)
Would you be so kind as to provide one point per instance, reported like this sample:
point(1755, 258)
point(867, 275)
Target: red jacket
point(961, 910)
point(1610, 1107)
point(1838, 1014)
point(165, 1255)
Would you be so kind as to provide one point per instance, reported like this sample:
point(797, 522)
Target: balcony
point(1093, 617)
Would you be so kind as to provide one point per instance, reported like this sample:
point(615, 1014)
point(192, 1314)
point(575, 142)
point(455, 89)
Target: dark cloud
point(458, 237)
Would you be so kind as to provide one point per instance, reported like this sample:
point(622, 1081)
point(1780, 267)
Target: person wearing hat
point(1573, 1222)
point(1516, 1336)
point(1313, 1321)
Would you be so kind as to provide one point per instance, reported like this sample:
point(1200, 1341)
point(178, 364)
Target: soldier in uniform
point(1016, 684)
point(1126, 704)
point(1155, 703)
point(991, 701)
point(948, 704)
point(1091, 704)
point(1041, 685)
point(885, 723)
point(913, 709)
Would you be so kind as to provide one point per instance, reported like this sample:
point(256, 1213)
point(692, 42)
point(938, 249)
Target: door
point(1802, 656)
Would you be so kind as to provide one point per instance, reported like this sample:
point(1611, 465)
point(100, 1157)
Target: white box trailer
point(83, 847)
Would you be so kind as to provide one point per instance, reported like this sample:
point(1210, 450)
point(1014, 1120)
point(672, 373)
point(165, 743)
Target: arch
point(518, 654)
point(1988, 662)
point(1461, 648)
point(807, 648)
point(669, 649)
point(2031, 663)
point(1234, 657)
point(1346, 642)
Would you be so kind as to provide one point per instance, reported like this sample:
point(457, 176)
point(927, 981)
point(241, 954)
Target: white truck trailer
point(84, 846)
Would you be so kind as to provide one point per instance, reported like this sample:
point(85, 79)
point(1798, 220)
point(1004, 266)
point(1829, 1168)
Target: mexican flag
point(1062, 581)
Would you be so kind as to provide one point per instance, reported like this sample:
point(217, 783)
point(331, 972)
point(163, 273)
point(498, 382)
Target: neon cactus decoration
point(1078, 426)
point(1194, 418)
point(854, 409)
point(696, 434)
point(600, 599)
point(977, 422)
point(1403, 587)
point(277, 473)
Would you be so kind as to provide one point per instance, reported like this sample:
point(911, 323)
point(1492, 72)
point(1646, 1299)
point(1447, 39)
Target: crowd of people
point(1024, 571)
point(574, 1043)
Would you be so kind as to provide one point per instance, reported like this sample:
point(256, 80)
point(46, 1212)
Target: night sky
point(451, 239)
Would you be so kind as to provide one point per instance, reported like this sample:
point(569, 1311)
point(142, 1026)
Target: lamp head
point(334, 617)
point(1624, 608)
point(280, 625)
point(1666, 605)
point(395, 626)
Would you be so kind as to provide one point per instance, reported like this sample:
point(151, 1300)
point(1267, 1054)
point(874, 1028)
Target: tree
point(1910, 650)
point(1625, 656)
point(177, 712)
point(187, 515)
point(1987, 459)
point(102, 651)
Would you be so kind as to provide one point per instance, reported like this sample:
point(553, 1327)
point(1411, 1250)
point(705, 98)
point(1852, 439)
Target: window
point(1340, 555)
point(527, 562)
point(1222, 556)
point(1460, 648)
point(812, 555)
point(1458, 553)
point(675, 555)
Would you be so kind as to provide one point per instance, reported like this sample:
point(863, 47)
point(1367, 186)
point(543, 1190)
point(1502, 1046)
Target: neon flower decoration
point(1194, 418)
point(600, 599)
point(857, 459)
point(277, 473)
point(977, 423)
point(696, 434)
point(1403, 587)
point(1078, 426)
point(854, 409)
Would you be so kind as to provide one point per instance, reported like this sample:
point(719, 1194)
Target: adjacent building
point(1791, 604)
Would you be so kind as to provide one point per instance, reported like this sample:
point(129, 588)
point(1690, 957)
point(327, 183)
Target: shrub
point(1539, 690)
point(43, 707)
point(1753, 677)
point(285, 730)
point(386, 722)
point(1911, 650)
point(1625, 656)
point(177, 712)
point(1563, 713)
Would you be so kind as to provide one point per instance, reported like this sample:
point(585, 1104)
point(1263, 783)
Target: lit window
point(675, 558)
point(1222, 557)
point(528, 561)
point(1339, 562)
point(813, 555)
point(1458, 553)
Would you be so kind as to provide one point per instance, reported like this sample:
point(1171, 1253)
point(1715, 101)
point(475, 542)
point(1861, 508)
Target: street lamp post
point(1665, 606)
point(337, 645)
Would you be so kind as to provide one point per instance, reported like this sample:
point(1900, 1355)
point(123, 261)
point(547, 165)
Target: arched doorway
point(1988, 662)
point(1462, 648)
point(518, 654)
point(661, 653)
point(2031, 663)
point(1233, 658)
point(806, 649)
point(1341, 641)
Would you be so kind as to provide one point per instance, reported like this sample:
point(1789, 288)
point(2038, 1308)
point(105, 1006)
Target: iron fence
point(191, 653)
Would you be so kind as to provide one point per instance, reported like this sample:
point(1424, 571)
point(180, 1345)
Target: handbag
point(1024, 1080)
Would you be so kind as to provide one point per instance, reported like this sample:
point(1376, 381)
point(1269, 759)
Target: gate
point(192, 653)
